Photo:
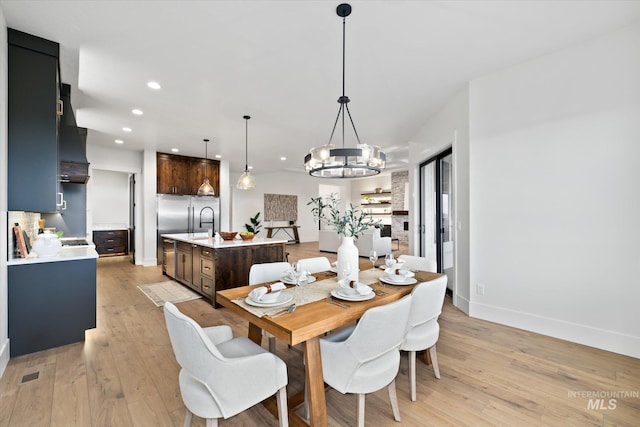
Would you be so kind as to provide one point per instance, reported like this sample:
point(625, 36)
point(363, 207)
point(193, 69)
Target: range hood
point(74, 167)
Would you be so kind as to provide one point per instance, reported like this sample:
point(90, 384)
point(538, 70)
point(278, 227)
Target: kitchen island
point(207, 266)
point(51, 300)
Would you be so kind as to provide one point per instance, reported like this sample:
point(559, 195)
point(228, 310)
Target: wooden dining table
point(307, 324)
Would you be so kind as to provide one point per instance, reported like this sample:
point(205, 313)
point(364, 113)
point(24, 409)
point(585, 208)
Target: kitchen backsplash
point(29, 223)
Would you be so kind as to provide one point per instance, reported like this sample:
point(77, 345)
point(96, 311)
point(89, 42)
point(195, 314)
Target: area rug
point(171, 291)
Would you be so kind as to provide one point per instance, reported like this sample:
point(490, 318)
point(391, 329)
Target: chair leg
point(272, 344)
point(412, 374)
point(360, 410)
point(393, 397)
point(212, 422)
point(434, 361)
point(305, 406)
point(187, 418)
point(283, 410)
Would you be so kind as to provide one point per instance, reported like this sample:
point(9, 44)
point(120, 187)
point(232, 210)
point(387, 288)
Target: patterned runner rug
point(170, 291)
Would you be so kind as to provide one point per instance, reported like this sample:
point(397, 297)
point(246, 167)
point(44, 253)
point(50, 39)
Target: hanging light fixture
point(206, 189)
point(246, 181)
point(327, 161)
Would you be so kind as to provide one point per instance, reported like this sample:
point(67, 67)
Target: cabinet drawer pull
point(60, 107)
point(110, 240)
point(206, 268)
point(206, 253)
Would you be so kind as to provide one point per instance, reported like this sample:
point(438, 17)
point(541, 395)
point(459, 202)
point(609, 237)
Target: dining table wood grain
point(306, 325)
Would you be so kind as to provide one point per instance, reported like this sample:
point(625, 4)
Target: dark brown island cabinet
point(207, 269)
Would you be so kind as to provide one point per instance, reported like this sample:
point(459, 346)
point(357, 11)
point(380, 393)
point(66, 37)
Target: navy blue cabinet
point(33, 115)
point(50, 304)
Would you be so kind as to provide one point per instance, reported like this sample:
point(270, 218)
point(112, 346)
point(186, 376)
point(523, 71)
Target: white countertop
point(203, 240)
point(67, 253)
point(109, 227)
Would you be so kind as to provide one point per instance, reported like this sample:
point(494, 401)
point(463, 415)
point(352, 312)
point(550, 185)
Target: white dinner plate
point(282, 299)
point(406, 281)
point(336, 293)
point(289, 281)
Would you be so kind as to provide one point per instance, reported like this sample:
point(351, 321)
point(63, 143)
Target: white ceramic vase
point(348, 259)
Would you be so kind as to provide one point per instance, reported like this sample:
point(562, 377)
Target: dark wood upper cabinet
point(184, 175)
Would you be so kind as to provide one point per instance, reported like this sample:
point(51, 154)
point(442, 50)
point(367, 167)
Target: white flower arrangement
point(352, 223)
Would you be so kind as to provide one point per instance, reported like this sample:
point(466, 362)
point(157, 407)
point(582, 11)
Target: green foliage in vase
point(351, 223)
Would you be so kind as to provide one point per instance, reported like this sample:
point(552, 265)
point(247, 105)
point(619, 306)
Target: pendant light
point(246, 181)
point(206, 189)
point(327, 161)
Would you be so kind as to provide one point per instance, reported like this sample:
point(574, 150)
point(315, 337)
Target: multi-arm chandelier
point(327, 161)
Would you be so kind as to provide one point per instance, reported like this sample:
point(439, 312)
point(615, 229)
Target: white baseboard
point(461, 303)
point(616, 342)
point(4, 357)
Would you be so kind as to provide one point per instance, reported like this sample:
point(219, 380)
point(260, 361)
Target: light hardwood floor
point(125, 373)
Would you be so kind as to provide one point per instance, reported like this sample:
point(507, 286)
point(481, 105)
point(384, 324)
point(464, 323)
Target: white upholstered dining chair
point(314, 265)
point(419, 263)
point(369, 358)
point(268, 272)
point(222, 376)
point(423, 329)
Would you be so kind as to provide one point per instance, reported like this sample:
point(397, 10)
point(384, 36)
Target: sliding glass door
point(436, 212)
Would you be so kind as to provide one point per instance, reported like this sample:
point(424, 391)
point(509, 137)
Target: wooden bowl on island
point(228, 235)
point(247, 236)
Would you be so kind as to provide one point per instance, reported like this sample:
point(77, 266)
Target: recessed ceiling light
point(154, 85)
point(126, 129)
point(119, 141)
point(218, 156)
point(137, 112)
point(174, 150)
point(283, 158)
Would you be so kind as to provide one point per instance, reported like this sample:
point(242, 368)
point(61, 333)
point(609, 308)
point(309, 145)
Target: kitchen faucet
point(212, 217)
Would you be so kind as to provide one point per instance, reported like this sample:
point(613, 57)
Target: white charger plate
point(289, 281)
point(283, 298)
point(336, 293)
point(405, 282)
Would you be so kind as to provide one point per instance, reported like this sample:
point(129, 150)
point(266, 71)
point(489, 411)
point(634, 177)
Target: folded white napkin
point(400, 272)
point(360, 288)
point(291, 275)
point(258, 293)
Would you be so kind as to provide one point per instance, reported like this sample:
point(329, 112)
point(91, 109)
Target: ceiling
point(280, 62)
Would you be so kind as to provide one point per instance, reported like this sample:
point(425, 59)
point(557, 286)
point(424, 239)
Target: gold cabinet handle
point(60, 107)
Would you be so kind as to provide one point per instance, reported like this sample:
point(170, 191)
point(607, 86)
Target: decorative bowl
point(228, 235)
point(247, 237)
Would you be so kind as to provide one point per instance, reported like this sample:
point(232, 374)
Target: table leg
point(255, 334)
point(269, 232)
point(315, 383)
point(295, 234)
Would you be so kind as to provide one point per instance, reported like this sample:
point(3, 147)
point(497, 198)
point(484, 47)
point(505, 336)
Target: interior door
point(437, 212)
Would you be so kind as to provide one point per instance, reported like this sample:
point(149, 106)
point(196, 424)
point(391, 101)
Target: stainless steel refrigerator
point(186, 214)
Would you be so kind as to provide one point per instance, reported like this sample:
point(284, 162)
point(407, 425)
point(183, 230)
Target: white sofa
point(329, 240)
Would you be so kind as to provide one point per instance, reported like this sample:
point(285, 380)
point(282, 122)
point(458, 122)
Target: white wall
point(555, 196)
point(4, 332)
point(110, 197)
point(120, 160)
point(449, 127)
point(247, 202)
